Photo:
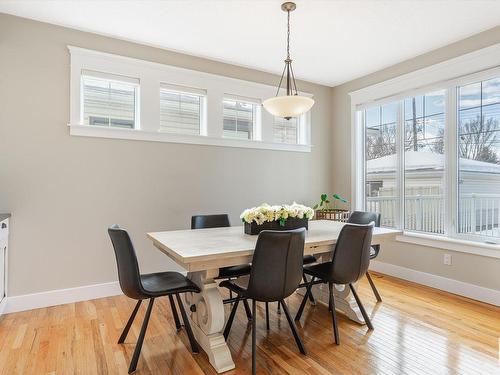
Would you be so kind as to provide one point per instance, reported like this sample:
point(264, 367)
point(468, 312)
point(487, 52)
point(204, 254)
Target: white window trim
point(475, 66)
point(151, 75)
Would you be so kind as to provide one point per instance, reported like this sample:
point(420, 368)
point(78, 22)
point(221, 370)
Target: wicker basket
point(333, 214)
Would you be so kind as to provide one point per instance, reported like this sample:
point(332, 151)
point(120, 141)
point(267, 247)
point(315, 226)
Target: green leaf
point(315, 207)
point(338, 197)
point(324, 197)
point(282, 222)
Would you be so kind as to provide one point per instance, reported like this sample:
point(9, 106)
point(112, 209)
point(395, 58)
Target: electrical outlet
point(447, 259)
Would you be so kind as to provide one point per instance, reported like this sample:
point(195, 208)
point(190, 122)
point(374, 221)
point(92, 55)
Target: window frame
point(449, 75)
point(300, 121)
point(256, 115)
point(151, 75)
point(135, 82)
point(201, 93)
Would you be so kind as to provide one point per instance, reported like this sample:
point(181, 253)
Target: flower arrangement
point(287, 216)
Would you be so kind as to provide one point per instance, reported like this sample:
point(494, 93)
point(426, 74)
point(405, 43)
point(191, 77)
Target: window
point(286, 131)
point(239, 118)
point(381, 162)
point(431, 161)
point(417, 139)
point(424, 166)
point(117, 97)
point(479, 159)
point(181, 110)
point(109, 102)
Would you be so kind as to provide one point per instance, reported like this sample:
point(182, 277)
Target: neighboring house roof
point(427, 161)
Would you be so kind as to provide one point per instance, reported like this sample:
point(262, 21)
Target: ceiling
point(331, 41)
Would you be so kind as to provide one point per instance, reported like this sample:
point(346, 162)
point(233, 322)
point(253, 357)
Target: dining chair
point(351, 258)
point(308, 259)
point(225, 273)
point(277, 268)
point(361, 217)
point(147, 286)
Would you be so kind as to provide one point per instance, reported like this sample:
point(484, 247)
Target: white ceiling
point(332, 41)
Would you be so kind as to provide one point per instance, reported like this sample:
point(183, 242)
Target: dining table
point(202, 252)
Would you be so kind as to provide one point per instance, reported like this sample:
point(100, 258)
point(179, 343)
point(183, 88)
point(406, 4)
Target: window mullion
point(400, 177)
point(451, 164)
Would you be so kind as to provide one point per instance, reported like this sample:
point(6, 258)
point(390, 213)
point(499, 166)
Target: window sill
point(463, 246)
point(142, 135)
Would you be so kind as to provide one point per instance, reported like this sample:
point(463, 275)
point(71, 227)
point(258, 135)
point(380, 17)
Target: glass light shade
point(288, 105)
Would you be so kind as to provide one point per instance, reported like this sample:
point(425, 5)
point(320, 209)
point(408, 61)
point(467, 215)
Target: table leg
point(207, 319)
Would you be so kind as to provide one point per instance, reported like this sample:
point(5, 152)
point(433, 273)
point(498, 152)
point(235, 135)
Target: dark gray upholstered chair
point(360, 217)
point(277, 269)
point(350, 261)
point(220, 221)
point(148, 286)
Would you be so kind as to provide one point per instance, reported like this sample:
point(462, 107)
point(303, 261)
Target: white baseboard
point(59, 297)
point(461, 288)
point(3, 304)
point(84, 293)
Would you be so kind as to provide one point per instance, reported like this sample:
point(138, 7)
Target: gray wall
point(469, 268)
point(64, 191)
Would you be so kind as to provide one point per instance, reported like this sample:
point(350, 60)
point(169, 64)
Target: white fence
point(479, 214)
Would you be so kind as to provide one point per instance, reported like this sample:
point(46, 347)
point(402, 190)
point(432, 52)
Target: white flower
point(266, 213)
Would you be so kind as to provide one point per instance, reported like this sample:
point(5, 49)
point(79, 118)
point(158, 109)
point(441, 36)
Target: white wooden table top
point(223, 244)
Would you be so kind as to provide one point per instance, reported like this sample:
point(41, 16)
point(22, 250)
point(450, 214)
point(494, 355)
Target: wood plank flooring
point(418, 330)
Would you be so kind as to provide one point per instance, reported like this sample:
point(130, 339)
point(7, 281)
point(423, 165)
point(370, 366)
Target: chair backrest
point(352, 253)
point(126, 260)
point(361, 217)
point(277, 265)
point(210, 221)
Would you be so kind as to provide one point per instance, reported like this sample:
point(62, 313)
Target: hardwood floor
point(418, 330)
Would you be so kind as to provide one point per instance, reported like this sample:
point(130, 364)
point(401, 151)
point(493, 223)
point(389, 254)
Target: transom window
point(239, 118)
point(109, 100)
point(286, 131)
point(117, 97)
point(181, 109)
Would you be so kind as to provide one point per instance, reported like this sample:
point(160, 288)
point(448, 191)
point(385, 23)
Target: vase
point(290, 223)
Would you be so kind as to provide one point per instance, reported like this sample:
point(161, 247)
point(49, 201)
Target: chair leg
point(189, 331)
point(311, 295)
point(267, 316)
point(229, 322)
point(361, 307)
point(138, 346)
point(293, 328)
point(247, 310)
point(304, 300)
point(254, 339)
point(279, 309)
point(174, 313)
point(374, 288)
point(334, 314)
point(129, 323)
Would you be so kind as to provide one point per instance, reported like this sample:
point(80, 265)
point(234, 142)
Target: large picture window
point(432, 161)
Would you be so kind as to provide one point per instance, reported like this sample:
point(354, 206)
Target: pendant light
point(291, 104)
